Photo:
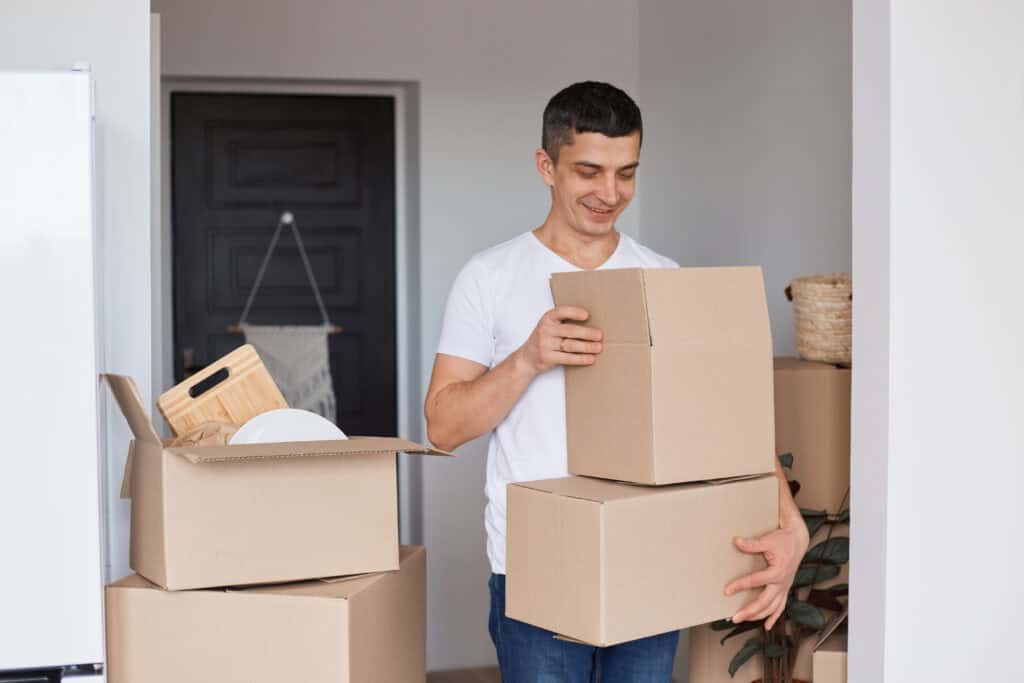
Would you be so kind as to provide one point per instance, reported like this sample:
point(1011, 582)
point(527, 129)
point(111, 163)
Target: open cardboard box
point(234, 515)
point(682, 390)
point(604, 562)
point(365, 629)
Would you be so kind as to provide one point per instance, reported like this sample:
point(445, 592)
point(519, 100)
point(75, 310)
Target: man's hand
point(555, 341)
point(784, 550)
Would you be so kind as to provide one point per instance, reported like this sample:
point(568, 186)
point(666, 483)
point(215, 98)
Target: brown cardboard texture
point(812, 421)
point(235, 515)
point(368, 630)
point(605, 562)
point(830, 660)
point(682, 390)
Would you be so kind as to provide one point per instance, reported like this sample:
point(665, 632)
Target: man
point(499, 369)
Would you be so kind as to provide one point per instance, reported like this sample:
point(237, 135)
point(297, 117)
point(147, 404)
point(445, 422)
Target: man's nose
point(609, 191)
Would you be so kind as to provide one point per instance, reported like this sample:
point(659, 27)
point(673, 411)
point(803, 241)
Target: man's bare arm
point(466, 400)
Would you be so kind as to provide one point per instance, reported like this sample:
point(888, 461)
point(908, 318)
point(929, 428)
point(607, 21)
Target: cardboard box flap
point(615, 299)
point(360, 445)
point(717, 307)
point(337, 588)
point(126, 394)
point(608, 491)
point(791, 364)
point(126, 478)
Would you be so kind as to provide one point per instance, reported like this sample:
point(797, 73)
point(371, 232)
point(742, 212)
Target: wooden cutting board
point(232, 389)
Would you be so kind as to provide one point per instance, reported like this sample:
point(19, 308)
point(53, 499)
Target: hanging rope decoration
point(296, 356)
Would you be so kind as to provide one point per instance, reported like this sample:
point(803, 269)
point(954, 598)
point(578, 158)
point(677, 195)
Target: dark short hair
point(588, 107)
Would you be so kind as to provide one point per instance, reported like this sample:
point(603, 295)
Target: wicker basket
point(823, 312)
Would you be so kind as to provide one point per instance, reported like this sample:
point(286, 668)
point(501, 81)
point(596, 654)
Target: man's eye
point(627, 176)
point(588, 174)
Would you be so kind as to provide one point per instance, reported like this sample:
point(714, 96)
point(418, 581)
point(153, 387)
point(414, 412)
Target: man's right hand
point(559, 340)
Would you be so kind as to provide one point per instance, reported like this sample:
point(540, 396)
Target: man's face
point(593, 181)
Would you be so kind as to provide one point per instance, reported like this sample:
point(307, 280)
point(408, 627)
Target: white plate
point(286, 424)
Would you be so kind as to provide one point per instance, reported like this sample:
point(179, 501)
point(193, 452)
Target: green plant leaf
point(742, 627)
point(839, 589)
point(773, 651)
point(844, 517)
point(806, 615)
point(749, 649)
point(722, 625)
point(835, 550)
point(809, 574)
point(786, 460)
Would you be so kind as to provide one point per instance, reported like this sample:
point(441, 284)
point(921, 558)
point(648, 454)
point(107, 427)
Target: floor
point(487, 675)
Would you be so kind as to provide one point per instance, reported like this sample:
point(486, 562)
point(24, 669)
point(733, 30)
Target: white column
point(939, 324)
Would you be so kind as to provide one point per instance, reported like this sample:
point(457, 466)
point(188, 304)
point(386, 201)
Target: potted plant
point(809, 606)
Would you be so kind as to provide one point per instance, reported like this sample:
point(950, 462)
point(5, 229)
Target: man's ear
point(545, 167)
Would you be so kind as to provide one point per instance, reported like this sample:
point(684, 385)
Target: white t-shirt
point(493, 307)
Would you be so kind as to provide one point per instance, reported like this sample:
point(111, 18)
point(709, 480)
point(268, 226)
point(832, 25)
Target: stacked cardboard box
point(812, 421)
point(671, 432)
point(265, 562)
point(830, 660)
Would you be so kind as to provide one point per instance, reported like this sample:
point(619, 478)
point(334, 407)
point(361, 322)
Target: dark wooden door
point(238, 161)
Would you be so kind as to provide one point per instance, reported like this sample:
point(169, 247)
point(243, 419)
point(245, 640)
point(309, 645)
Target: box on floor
point(233, 515)
point(829, 661)
point(605, 562)
point(812, 421)
point(682, 390)
point(364, 629)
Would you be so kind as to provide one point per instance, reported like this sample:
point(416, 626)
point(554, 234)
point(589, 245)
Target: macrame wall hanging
point(295, 355)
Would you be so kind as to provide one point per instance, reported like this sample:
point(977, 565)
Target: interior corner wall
point(112, 37)
point(870, 400)
point(954, 440)
point(746, 154)
point(484, 72)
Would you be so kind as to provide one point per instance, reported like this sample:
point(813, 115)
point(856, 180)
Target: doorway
point(237, 162)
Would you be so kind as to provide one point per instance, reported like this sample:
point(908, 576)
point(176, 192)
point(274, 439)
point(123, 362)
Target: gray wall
point(746, 159)
point(747, 144)
point(484, 71)
point(112, 36)
point(746, 156)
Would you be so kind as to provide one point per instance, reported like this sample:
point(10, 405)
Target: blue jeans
point(528, 654)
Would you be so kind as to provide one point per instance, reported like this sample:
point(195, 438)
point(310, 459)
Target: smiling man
point(500, 363)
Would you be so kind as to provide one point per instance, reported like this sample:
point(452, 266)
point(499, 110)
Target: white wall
point(484, 72)
point(869, 436)
point(746, 155)
point(113, 37)
point(950, 554)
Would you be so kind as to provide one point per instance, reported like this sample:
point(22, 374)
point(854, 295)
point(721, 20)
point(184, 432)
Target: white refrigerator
point(51, 541)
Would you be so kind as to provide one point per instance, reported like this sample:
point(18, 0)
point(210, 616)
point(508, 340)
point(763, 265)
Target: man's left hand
point(783, 549)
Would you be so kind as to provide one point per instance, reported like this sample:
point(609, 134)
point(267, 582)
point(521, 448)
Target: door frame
point(407, 231)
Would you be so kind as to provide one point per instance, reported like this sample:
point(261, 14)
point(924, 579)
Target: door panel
point(238, 162)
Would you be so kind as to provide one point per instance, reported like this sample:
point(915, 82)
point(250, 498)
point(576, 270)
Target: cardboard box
point(830, 660)
point(604, 562)
point(682, 390)
point(812, 421)
point(261, 513)
point(365, 629)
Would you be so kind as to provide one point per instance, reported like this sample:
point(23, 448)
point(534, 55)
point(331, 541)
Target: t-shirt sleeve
point(468, 329)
